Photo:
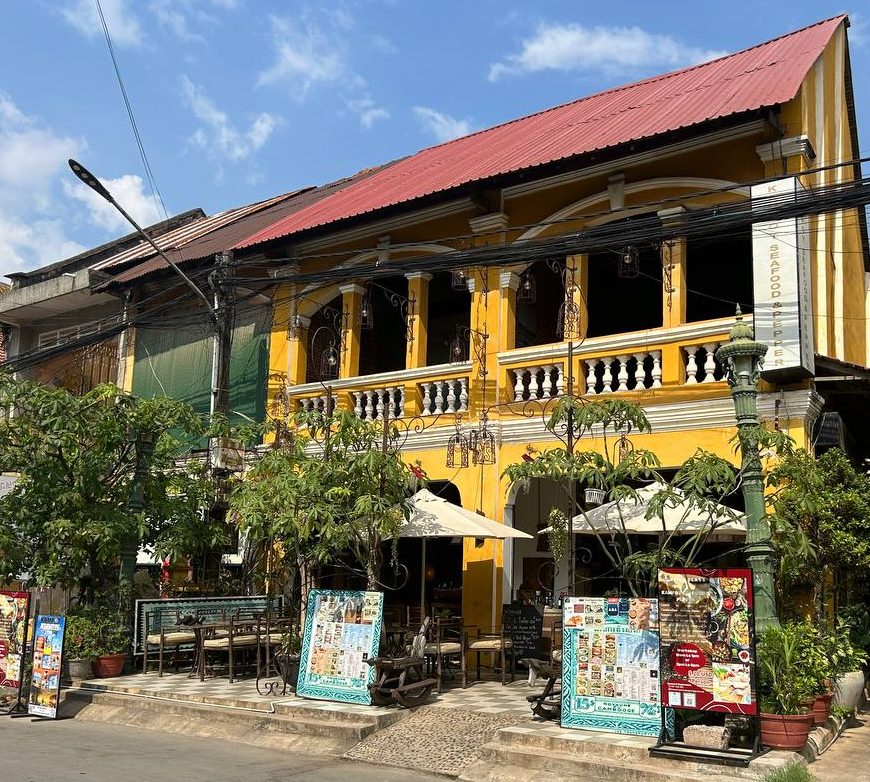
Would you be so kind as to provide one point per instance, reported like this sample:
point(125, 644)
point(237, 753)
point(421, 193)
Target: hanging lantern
point(366, 316)
point(294, 331)
point(459, 347)
point(594, 497)
point(329, 364)
point(569, 321)
point(629, 263)
point(482, 444)
point(459, 280)
point(457, 450)
point(528, 290)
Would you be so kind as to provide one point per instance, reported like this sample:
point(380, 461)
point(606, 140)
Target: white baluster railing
point(701, 363)
point(538, 382)
point(444, 396)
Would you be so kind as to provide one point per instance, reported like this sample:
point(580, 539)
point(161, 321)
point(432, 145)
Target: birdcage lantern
point(366, 313)
point(459, 280)
point(629, 262)
point(459, 346)
point(527, 291)
point(294, 330)
point(457, 450)
point(482, 444)
point(329, 363)
point(569, 321)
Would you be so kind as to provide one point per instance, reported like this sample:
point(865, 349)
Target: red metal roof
point(765, 75)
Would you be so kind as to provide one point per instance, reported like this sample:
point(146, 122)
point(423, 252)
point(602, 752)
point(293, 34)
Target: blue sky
point(239, 100)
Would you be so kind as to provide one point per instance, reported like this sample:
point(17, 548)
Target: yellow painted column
point(576, 289)
point(352, 296)
point(129, 360)
point(418, 294)
point(508, 283)
point(673, 258)
point(297, 353)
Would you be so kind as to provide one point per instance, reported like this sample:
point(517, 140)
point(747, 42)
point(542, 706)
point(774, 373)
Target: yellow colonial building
point(441, 290)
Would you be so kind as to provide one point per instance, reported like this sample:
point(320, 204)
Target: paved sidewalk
point(848, 758)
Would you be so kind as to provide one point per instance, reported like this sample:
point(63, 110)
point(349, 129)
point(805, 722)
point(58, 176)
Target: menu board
point(14, 607)
point(524, 625)
point(610, 665)
point(707, 643)
point(47, 655)
point(342, 631)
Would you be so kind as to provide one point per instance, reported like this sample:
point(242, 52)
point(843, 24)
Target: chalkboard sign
point(524, 625)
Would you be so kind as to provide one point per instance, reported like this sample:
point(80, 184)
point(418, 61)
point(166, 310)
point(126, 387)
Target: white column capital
point(352, 287)
point(303, 321)
point(785, 148)
point(673, 217)
point(418, 276)
point(497, 221)
point(509, 280)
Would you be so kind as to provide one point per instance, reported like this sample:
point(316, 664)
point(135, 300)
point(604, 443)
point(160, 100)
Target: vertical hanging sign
point(707, 639)
point(610, 665)
point(48, 637)
point(783, 312)
point(14, 609)
point(342, 631)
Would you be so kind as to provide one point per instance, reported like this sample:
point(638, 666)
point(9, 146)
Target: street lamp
point(742, 358)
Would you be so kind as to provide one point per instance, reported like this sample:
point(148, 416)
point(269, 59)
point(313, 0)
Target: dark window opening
point(719, 276)
point(537, 320)
point(324, 343)
point(448, 309)
point(383, 347)
point(622, 304)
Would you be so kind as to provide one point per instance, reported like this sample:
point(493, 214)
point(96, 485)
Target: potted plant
point(288, 653)
point(784, 688)
point(110, 646)
point(81, 631)
point(849, 655)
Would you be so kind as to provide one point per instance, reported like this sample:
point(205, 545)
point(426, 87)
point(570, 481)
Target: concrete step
point(503, 763)
point(320, 733)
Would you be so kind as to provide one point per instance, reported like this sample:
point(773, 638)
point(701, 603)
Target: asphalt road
point(68, 750)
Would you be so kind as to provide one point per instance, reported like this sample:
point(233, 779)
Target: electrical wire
point(152, 181)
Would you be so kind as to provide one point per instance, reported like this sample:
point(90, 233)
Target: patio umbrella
point(434, 517)
point(680, 517)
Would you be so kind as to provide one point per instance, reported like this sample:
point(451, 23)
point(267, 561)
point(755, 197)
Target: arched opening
point(324, 343)
point(449, 309)
point(719, 275)
point(539, 296)
point(383, 343)
point(619, 304)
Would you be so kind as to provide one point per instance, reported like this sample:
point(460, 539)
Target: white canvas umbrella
point(679, 517)
point(434, 517)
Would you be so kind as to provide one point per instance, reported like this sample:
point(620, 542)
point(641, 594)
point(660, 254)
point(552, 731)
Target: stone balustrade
point(538, 382)
point(370, 405)
point(444, 396)
point(702, 365)
point(628, 372)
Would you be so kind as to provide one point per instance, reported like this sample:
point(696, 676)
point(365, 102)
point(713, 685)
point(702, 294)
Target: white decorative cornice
point(486, 224)
point(387, 379)
point(352, 287)
point(787, 147)
point(418, 276)
point(508, 280)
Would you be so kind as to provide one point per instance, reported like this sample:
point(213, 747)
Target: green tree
point(696, 491)
point(338, 486)
point(820, 511)
point(76, 457)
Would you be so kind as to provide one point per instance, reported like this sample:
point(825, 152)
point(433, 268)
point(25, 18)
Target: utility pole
point(224, 315)
point(742, 358)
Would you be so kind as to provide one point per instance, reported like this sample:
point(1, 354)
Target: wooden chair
point(446, 646)
point(401, 679)
point(493, 641)
point(237, 637)
point(164, 639)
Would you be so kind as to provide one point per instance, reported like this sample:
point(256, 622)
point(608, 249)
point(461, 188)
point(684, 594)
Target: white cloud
point(572, 47)
point(123, 25)
point(367, 111)
point(858, 33)
point(32, 158)
point(218, 137)
point(186, 19)
point(442, 126)
point(128, 190)
point(305, 54)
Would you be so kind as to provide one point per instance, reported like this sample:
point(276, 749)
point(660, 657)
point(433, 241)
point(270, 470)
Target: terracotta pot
point(822, 708)
point(109, 665)
point(849, 690)
point(786, 731)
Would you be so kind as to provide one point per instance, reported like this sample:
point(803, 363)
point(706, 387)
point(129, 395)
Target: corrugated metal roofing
point(219, 233)
point(764, 75)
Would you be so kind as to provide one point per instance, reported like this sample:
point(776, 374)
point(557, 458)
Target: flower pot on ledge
point(80, 669)
point(822, 708)
point(786, 731)
point(109, 665)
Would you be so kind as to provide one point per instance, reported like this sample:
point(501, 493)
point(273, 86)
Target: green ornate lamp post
point(742, 358)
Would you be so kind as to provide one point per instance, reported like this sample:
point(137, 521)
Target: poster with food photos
point(48, 637)
point(342, 631)
point(707, 644)
point(14, 608)
point(610, 665)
